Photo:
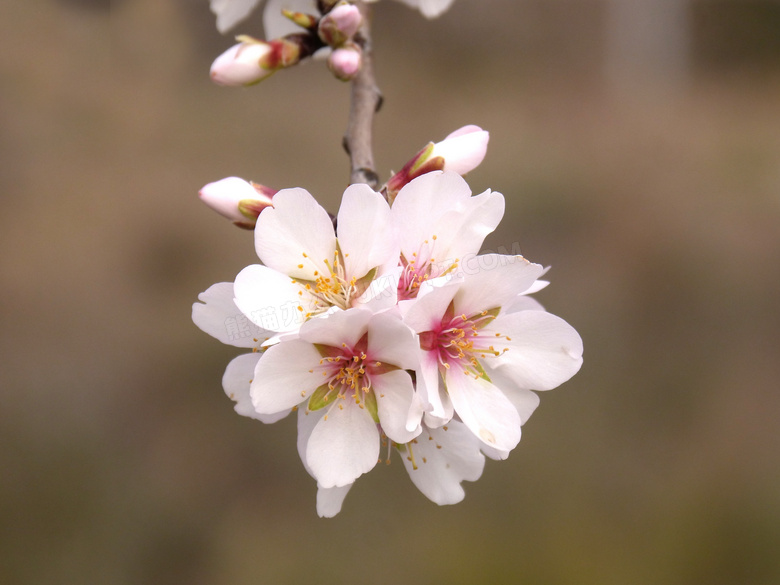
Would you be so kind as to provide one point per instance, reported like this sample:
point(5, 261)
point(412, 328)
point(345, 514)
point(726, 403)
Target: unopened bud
point(242, 64)
point(340, 24)
point(237, 199)
point(461, 151)
point(345, 62)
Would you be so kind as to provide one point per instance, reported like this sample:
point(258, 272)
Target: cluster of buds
point(460, 152)
point(252, 60)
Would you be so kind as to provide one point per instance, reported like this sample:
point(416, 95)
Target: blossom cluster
point(384, 329)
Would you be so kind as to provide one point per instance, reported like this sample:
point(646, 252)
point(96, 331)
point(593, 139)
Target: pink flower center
point(461, 342)
point(420, 267)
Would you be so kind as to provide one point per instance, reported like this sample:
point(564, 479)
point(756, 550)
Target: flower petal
point(329, 500)
point(296, 235)
point(544, 350)
point(236, 382)
point(284, 376)
point(493, 280)
point(337, 328)
point(484, 409)
point(343, 445)
point(218, 315)
point(270, 299)
point(231, 12)
point(395, 400)
point(441, 459)
point(420, 205)
point(365, 231)
point(461, 231)
point(390, 341)
point(437, 404)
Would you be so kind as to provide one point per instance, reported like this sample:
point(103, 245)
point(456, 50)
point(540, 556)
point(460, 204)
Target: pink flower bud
point(340, 24)
point(459, 152)
point(463, 150)
point(237, 199)
point(345, 62)
point(240, 64)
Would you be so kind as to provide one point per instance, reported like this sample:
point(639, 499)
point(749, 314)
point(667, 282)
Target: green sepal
point(477, 368)
point(320, 397)
point(369, 402)
point(327, 351)
point(362, 284)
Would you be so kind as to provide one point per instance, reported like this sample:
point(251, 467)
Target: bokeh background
point(638, 145)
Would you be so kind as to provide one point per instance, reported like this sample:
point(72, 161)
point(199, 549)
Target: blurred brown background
point(638, 146)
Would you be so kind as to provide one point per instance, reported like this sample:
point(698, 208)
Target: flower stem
point(365, 101)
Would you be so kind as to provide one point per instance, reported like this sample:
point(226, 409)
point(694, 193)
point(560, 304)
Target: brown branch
point(365, 101)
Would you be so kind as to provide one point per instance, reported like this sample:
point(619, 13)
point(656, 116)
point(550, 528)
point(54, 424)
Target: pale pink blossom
point(347, 374)
point(480, 361)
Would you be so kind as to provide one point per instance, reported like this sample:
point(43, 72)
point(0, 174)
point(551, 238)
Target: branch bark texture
point(365, 100)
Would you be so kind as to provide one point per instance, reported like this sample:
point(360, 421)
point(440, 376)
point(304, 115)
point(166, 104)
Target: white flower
point(309, 269)
point(439, 226)
point(487, 358)
point(440, 459)
point(347, 374)
point(231, 12)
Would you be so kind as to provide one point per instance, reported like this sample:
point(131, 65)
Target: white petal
point(525, 401)
point(343, 445)
point(395, 400)
point(461, 231)
point(296, 235)
point(337, 328)
point(231, 12)
point(382, 293)
point(236, 381)
point(544, 350)
point(484, 409)
point(218, 315)
point(420, 205)
point(429, 8)
point(523, 303)
point(365, 231)
point(307, 420)
point(435, 399)
point(444, 458)
point(493, 280)
point(390, 341)
point(284, 377)
point(270, 299)
point(329, 500)
point(426, 313)
point(463, 150)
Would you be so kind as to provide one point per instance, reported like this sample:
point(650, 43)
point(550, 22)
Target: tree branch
point(365, 101)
